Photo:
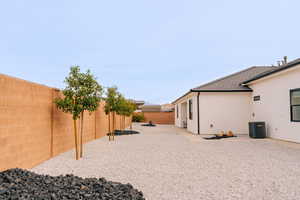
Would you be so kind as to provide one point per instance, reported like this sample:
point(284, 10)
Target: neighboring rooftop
point(167, 107)
point(138, 102)
point(233, 81)
point(150, 108)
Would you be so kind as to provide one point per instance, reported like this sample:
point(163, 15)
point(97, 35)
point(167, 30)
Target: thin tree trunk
point(81, 135)
point(114, 126)
point(76, 139)
point(130, 122)
point(124, 122)
point(109, 129)
point(120, 122)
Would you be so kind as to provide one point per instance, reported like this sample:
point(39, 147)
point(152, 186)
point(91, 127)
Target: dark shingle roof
point(233, 81)
point(274, 70)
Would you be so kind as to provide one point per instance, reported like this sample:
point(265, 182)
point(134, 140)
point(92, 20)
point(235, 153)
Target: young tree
point(131, 107)
point(125, 109)
point(121, 109)
point(91, 94)
point(111, 104)
point(70, 103)
point(81, 93)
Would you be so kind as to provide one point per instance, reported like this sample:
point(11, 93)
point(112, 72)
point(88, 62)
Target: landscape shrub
point(138, 117)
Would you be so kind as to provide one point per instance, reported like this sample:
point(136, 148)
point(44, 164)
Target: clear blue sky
point(153, 50)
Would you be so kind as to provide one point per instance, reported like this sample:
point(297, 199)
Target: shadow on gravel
point(216, 137)
point(22, 184)
point(126, 132)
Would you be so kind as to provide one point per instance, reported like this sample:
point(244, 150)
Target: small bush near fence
point(138, 117)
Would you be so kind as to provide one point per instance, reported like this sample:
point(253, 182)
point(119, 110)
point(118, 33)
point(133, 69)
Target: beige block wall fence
point(159, 117)
point(33, 130)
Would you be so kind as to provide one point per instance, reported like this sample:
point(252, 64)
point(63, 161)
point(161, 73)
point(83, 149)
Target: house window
point(177, 111)
point(190, 109)
point(295, 105)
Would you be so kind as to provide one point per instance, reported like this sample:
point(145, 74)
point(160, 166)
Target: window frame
point(190, 109)
point(291, 105)
point(177, 114)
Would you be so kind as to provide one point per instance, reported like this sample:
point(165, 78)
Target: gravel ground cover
point(167, 163)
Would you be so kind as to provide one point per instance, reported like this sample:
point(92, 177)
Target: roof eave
point(193, 90)
point(174, 102)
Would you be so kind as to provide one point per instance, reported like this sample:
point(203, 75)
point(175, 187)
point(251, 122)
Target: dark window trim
point(177, 115)
point(291, 106)
point(190, 109)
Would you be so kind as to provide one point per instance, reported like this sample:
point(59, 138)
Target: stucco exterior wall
point(192, 124)
point(182, 114)
point(33, 130)
point(274, 104)
point(183, 111)
point(177, 116)
point(224, 111)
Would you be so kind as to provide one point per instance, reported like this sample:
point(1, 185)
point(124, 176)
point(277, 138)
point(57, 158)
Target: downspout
point(198, 113)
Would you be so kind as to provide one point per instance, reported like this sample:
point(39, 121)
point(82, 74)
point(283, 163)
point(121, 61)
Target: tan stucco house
point(260, 93)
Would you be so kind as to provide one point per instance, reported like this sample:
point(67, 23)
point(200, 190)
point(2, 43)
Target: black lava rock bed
point(151, 125)
point(18, 184)
point(126, 132)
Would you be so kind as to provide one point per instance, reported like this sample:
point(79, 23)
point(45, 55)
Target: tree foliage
point(111, 100)
point(131, 107)
point(82, 92)
point(120, 104)
point(127, 107)
point(70, 103)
